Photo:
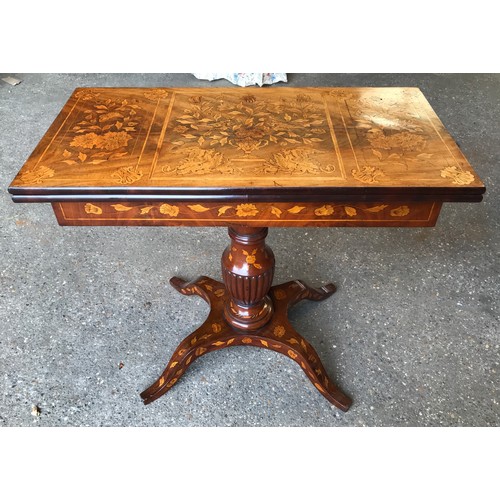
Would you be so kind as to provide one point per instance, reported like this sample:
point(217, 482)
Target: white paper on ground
point(244, 79)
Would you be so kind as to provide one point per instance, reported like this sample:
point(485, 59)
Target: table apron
point(158, 213)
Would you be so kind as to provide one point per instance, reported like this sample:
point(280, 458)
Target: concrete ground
point(413, 333)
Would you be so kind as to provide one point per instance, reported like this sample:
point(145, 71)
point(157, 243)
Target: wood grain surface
point(247, 145)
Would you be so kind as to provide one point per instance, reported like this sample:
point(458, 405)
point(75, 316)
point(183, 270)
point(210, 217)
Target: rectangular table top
point(246, 144)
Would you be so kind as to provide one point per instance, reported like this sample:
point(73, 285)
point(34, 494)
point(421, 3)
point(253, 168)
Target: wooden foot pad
point(277, 335)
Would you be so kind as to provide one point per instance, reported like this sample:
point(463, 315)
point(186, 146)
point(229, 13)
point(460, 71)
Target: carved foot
point(278, 335)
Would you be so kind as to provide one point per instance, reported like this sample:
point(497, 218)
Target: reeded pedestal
point(247, 310)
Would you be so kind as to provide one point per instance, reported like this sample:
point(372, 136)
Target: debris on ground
point(11, 80)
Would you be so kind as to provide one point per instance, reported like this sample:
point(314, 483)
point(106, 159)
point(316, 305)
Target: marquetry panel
point(169, 139)
point(251, 214)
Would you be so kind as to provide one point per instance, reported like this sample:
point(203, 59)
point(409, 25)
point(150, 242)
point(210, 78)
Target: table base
point(277, 335)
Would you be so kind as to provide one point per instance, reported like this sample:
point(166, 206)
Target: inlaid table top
point(222, 146)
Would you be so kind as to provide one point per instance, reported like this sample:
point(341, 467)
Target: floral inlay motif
point(244, 126)
point(296, 161)
point(388, 138)
point(252, 259)
point(200, 162)
point(279, 331)
point(377, 208)
point(276, 211)
point(458, 176)
point(400, 211)
point(404, 140)
point(37, 175)
point(121, 208)
point(87, 94)
point(367, 174)
point(104, 135)
point(108, 141)
point(92, 209)
point(155, 94)
point(106, 125)
point(246, 210)
point(324, 210)
point(341, 94)
point(171, 210)
point(295, 210)
point(252, 123)
point(127, 175)
point(198, 208)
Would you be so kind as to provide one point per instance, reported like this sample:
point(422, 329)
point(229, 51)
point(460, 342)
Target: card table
point(247, 159)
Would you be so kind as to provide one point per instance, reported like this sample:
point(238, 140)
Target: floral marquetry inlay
point(104, 135)
point(367, 174)
point(248, 210)
point(250, 135)
point(37, 175)
point(92, 209)
point(188, 140)
point(251, 259)
point(458, 176)
point(279, 331)
point(257, 214)
point(251, 122)
point(165, 209)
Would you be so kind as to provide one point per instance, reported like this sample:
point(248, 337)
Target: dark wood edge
point(246, 199)
point(270, 195)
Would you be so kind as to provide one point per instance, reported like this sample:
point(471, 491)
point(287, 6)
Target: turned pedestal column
point(247, 271)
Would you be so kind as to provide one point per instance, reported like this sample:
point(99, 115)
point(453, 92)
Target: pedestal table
point(248, 160)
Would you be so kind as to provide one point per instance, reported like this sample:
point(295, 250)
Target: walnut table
point(248, 160)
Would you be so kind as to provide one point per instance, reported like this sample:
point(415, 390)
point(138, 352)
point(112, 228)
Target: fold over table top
point(238, 144)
